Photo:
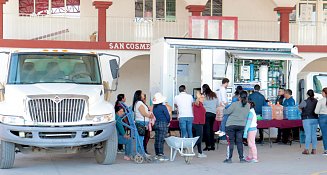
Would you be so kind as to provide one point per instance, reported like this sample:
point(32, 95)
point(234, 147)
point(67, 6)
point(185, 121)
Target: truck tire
point(107, 152)
point(7, 154)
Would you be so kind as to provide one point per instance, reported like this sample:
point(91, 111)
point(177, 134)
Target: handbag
point(140, 129)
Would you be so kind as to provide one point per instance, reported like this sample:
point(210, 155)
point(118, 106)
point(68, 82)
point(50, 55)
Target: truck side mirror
point(114, 67)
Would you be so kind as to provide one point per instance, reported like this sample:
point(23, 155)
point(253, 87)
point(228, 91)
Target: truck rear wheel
point(7, 154)
point(107, 152)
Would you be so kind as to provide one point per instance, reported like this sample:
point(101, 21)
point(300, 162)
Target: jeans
point(127, 143)
point(235, 134)
point(198, 132)
point(310, 128)
point(208, 133)
point(323, 128)
point(223, 123)
point(185, 124)
point(146, 137)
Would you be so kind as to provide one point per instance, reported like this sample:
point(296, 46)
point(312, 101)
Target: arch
point(134, 74)
point(309, 58)
point(318, 65)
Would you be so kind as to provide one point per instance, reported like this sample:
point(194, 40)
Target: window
point(55, 7)
point(213, 8)
point(159, 9)
point(33, 68)
point(319, 82)
point(308, 10)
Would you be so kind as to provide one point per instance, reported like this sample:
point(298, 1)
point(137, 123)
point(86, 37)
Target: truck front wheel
point(106, 152)
point(7, 154)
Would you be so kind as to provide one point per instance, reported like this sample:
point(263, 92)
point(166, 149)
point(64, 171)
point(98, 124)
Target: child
point(199, 120)
point(250, 132)
point(123, 137)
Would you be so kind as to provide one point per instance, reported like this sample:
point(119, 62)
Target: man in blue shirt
point(288, 101)
point(259, 101)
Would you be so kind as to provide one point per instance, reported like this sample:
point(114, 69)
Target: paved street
point(280, 159)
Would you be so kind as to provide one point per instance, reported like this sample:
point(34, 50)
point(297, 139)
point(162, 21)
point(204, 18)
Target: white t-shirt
point(222, 95)
point(184, 102)
point(138, 115)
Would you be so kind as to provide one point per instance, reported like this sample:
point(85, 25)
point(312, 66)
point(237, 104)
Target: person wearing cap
point(161, 113)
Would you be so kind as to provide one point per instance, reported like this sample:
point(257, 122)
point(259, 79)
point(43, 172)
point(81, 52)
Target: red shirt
point(199, 113)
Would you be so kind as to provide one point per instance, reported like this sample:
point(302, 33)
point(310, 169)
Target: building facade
point(128, 27)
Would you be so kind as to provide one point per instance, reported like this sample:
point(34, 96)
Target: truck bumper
point(56, 136)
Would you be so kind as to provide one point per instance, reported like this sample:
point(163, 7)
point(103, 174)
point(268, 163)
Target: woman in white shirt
point(142, 114)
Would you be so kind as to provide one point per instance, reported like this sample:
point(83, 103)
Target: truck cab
point(57, 100)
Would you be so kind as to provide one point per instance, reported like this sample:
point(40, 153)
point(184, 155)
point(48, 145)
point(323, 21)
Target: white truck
point(311, 80)
point(315, 81)
point(57, 100)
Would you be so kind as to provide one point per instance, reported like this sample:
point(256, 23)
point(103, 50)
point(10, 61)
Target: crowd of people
point(238, 124)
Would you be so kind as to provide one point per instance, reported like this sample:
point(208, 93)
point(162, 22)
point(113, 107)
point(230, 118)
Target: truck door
point(109, 66)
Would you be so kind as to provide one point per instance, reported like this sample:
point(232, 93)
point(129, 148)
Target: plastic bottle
point(277, 112)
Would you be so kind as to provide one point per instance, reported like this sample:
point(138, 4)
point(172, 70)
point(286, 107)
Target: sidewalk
point(280, 159)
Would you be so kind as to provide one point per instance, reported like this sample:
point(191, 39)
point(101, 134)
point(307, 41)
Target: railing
point(120, 29)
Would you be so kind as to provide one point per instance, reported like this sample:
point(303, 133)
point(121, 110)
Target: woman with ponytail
point(235, 124)
point(321, 110)
point(310, 121)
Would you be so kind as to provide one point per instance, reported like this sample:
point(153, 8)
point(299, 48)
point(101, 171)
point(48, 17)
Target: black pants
point(198, 131)
point(208, 134)
point(120, 146)
point(279, 135)
point(260, 135)
point(235, 134)
point(146, 140)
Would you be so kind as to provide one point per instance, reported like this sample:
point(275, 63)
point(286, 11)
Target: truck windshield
point(319, 82)
point(29, 68)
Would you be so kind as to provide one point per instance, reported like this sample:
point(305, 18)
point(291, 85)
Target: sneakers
point(314, 151)
point(161, 157)
point(243, 160)
point(306, 152)
point(248, 159)
point(202, 155)
point(325, 153)
point(254, 161)
point(227, 161)
point(220, 133)
point(120, 151)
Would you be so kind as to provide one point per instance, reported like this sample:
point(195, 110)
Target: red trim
point(284, 22)
point(2, 2)
point(220, 27)
point(312, 48)
point(190, 27)
point(102, 4)
point(206, 29)
point(236, 29)
point(10, 43)
point(196, 10)
point(217, 18)
point(102, 7)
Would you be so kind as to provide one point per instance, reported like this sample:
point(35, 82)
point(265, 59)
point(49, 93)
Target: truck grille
point(56, 109)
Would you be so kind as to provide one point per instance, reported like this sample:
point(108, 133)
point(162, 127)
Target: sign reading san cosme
point(128, 46)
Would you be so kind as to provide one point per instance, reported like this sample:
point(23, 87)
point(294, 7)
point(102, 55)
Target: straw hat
point(158, 98)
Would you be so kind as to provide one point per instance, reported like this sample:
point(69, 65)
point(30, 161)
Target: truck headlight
point(12, 120)
point(100, 118)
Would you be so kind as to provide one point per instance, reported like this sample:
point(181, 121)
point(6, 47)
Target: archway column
point(102, 7)
point(284, 28)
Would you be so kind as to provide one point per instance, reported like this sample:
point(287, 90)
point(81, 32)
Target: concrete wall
point(250, 10)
